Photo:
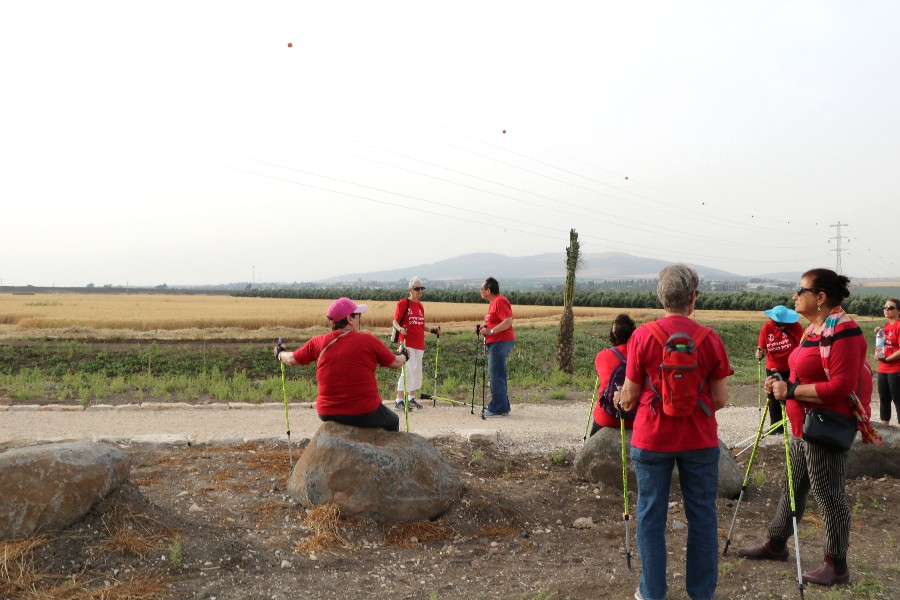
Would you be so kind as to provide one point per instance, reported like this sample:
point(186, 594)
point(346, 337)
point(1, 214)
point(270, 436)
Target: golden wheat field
point(73, 315)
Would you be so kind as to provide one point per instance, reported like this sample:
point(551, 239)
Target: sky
point(184, 142)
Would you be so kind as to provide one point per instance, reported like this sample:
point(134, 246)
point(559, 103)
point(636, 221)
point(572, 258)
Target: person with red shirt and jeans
point(889, 364)
point(500, 339)
point(777, 338)
point(346, 360)
point(659, 442)
point(842, 350)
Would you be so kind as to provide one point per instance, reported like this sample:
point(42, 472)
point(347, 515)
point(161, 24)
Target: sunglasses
point(800, 290)
point(889, 307)
point(421, 288)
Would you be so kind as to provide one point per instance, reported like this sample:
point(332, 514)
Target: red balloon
point(290, 45)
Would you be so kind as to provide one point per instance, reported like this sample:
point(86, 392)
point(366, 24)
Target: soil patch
point(216, 522)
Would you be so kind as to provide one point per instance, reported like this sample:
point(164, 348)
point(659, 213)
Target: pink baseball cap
point(343, 308)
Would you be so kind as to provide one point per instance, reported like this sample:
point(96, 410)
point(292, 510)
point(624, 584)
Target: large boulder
point(600, 461)
point(49, 487)
point(876, 461)
point(390, 477)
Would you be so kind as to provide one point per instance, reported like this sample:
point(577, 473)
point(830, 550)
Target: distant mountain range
point(547, 267)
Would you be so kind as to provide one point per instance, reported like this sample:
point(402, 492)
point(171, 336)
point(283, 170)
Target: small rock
point(195, 508)
point(584, 523)
point(285, 564)
point(678, 525)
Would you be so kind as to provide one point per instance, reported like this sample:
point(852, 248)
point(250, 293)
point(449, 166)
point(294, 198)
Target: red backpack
point(679, 371)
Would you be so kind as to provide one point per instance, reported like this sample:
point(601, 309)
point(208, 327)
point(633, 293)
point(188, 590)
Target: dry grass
point(402, 534)
point(134, 533)
point(324, 521)
point(19, 579)
point(199, 317)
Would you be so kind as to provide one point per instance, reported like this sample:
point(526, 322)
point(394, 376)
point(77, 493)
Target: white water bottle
point(879, 343)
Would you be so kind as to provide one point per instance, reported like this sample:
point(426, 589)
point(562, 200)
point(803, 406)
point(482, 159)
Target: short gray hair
point(414, 282)
point(676, 286)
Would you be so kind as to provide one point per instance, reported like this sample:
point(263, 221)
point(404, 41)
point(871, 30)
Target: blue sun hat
point(782, 314)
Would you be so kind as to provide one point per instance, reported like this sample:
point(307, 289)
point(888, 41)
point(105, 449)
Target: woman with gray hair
point(660, 440)
point(409, 323)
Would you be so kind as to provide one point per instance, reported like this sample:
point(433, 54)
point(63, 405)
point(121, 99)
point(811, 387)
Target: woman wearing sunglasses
point(889, 364)
point(827, 368)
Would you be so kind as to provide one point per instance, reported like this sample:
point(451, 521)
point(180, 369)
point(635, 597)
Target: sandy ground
point(529, 427)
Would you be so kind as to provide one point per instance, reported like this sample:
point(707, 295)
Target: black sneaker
point(414, 404)
point(398, 405)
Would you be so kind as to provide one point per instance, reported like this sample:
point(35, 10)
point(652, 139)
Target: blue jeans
point(498, 353)
point(698, 472)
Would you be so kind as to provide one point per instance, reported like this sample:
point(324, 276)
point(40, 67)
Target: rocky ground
point(215, 521)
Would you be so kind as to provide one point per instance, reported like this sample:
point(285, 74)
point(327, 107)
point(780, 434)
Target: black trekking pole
point(790, 479)
point(625, 516)
point(437, 351)
point(287, 419)
point(484, 379)
point(587, 425)
point(762, 422)
point(475, 367)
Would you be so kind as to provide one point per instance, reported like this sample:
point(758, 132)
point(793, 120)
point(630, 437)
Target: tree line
point(864, 304)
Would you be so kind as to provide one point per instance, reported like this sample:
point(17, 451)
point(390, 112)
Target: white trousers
point(413, 372)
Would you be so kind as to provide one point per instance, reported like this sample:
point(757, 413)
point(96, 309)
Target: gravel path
point(529, 427)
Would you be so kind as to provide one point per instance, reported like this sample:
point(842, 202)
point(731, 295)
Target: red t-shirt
point(846, 367)
point(346, 371)
point(779, 343)
point(605, 363)
point(414, 323)
point(891, 345)
point(654, 430)
point(499, 310)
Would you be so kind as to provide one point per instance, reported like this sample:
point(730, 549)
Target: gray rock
point(391, 477)
point(876, 461)
point(49, 487)
point(600, 461)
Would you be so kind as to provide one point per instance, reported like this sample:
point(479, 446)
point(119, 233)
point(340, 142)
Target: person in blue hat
point(777, 339)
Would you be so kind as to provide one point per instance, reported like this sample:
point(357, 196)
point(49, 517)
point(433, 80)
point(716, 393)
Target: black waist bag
point(829, 429)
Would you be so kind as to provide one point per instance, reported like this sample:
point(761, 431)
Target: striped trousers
point(825, 472)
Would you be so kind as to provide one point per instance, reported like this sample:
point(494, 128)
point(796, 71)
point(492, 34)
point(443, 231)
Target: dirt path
point(530, 427)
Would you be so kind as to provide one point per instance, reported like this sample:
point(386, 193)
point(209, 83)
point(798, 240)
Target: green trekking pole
point(437, 351)
point(759, 384)
point(790, 479)
point(625, 516)
point(287, 418)
point(762, 422)
point(587, 426)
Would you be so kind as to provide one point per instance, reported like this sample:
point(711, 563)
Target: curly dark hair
point(621, 330)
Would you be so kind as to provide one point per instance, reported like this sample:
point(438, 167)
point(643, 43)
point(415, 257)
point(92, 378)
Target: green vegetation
point(866, 304)
point(88, 372)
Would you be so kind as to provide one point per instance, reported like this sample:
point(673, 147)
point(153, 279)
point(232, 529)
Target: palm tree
point(565, 341)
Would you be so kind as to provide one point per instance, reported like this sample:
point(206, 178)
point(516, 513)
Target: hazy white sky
point(184, 142)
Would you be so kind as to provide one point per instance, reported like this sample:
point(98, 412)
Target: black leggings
point(383, 418)
point(889, 391)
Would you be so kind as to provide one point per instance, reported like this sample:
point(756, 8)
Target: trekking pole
point(405, 397)
point(625, 516)
point(762, 422)
point(790, 479)
point(590, 411)
point(483, 378)
point(475, 367)
point(759, 385)
point(287, 418)
point(437, 351)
